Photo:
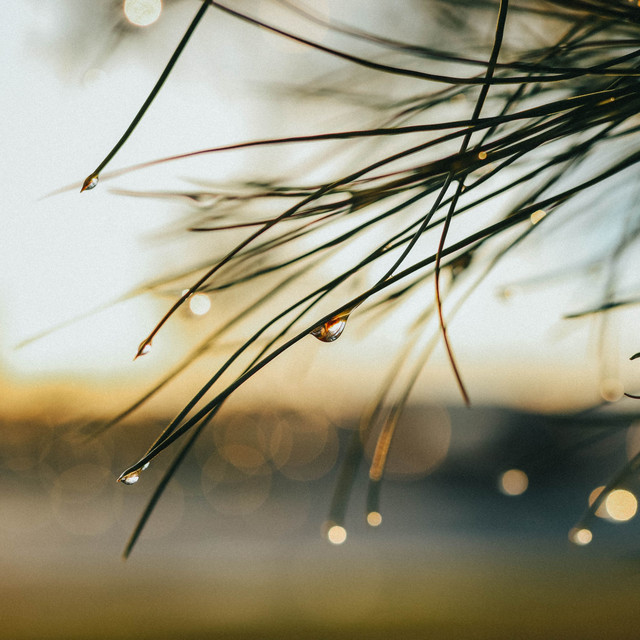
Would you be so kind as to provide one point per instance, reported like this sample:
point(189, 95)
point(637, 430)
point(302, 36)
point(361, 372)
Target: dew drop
point(145, 466)
point(90, 183)
point(143, 348)
point(332, 329)
point(130, 478)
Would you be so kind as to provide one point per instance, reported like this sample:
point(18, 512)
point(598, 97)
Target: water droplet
point(90, 183)
point(332, 329)
point(538, 215)
point(130, 478)
point(143, 348)
point(145, 466)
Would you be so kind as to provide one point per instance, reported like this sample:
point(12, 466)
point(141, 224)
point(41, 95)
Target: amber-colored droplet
point(332, 329)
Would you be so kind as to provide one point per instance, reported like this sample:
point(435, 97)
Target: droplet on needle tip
point(143, 349)
point(332, 329)
point(130, 478)
point(90, 183)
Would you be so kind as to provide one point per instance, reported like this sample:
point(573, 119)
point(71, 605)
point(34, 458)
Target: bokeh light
point(142, 13)
point(611, 389)
point(513, 482)
point(420, 443)
point(232, 490)
point(199, 304)
point(601, 511)
point(336, 534)
point(581, 537)
point(621, 505)
point(374, 519)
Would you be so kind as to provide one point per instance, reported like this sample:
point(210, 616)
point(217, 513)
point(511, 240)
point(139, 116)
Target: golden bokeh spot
point(580, 537)
point(601, 511)
point(513, 482)
point(336, 534)
point(621, 505)
point(482, 155)
point(374, 519)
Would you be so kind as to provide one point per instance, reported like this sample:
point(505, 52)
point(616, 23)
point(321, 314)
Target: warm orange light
point(374, 519)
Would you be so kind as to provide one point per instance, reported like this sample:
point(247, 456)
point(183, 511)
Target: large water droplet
point(90, 183)
point(130, 478)
point(332, 329)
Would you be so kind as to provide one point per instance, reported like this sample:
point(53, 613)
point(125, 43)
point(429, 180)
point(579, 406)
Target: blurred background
point(478, 504)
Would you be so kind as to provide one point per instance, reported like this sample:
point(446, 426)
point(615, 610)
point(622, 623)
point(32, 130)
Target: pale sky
point(65, 103)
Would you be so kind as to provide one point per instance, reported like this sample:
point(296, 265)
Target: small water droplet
point(130, 478)
point(143, 348)
point(145, 466)
point(538, 215)
point(90, 183)
point(332, 329)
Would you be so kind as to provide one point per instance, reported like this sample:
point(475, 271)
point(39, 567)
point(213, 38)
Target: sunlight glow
point(142, 13)
point(513, 482)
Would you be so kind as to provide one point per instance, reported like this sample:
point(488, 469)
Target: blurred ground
point(235, 557)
